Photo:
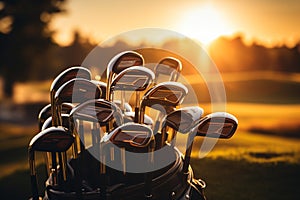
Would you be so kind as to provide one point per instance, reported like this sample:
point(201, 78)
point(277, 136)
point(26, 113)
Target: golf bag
point(167, 183)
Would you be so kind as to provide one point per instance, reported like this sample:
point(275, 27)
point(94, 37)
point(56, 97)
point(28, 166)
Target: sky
point(269, 22)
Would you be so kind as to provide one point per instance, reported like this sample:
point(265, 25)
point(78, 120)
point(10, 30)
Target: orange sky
point(268, 21)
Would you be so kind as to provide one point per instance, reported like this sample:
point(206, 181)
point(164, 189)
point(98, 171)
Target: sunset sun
point(204, 24)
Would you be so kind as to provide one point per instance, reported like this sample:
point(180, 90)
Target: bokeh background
point(255, 45)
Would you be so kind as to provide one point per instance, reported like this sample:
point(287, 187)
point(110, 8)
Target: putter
point(216, 125)
point(136, 79)
point(53, 139)
point(168, 66)
point(132, 137)
point(181, 120)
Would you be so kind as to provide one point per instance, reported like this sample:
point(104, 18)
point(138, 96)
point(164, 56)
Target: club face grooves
point(76, 99)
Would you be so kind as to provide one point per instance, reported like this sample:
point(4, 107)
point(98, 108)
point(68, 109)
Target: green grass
point(244, 180)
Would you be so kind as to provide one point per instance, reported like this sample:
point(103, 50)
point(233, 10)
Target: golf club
point(117, 64)
point(163, 97)
point(168, 66)
point(45, 113)
point(181, 120)
point(45, 121)
point(77, 90)
point(134, 79)
point(216, 125)
point(120, 62)
point(102, 86)
point(132, 137)
point(97, 111)
point(63, 77)
point(167, 69)
point(53, 139)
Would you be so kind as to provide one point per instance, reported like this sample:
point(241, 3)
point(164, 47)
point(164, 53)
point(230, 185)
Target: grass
point(251, 165)
point(16, 186)
point(244, 180)
point(225, 179)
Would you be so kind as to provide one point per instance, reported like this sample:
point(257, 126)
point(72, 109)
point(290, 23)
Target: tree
point(25, 39)
point(75, 53)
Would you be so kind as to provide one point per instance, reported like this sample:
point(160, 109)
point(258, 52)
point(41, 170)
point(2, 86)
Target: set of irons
point(117, 127)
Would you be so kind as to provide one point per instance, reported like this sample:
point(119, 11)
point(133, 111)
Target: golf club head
point(131, 136)
point(166, 94)
point(102, 86)
point(97, 110)
point(127, 106)
point(53, 139)
point(120, 62)
point(77, 90)
point(217, 125)
point(168, 66)
point(68, 74)
point(135, 78)
point(45, 113)
point(124, 60)
point(48, 122)
point(183, 119)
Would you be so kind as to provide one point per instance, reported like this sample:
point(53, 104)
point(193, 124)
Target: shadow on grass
point(284, 129)
point(17, 185)
point(241, 180)
point(226, 180)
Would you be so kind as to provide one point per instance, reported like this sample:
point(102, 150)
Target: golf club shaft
point(149, 174)
point(34, 186)
point(54, 168)
point(187, 157)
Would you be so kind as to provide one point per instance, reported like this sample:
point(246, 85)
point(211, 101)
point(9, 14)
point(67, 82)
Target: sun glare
point(204, 24)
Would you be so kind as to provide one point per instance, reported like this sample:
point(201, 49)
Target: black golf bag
point(167, 183)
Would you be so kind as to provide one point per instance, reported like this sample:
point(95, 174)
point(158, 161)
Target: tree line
point(232, 55)
point(28, 51)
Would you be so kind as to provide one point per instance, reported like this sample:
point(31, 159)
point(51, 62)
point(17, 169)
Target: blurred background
point(255, 45)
